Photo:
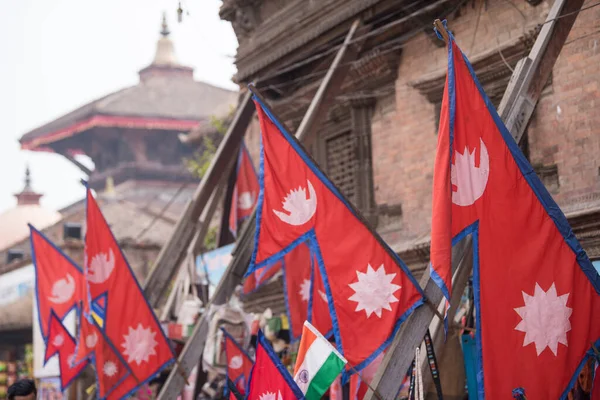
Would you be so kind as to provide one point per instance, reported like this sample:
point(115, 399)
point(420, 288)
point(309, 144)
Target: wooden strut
point(242, 251)
point(517, 106)
point(172, 253)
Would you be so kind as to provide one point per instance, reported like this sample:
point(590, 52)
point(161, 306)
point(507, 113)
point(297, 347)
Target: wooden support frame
point(174, 250)
point(242, 252)
point(516, 109)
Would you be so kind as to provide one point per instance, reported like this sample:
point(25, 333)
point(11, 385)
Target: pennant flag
point(111, 370)
point(59, 341)
point(260, 277)
point(129, 322)
point(269, 379)
point(59, 284)
point(297, 267)
point(239, 364)
point(318, 363)
point(536, 291)
point(370, 291)
point(245, 191)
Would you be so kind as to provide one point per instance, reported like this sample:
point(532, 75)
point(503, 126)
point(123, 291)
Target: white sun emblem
point(545, 319)
point(300, 208)
point(305, 290)
point(110, 369)
point(58, 340)
point(374, 291)
point(271, 396)
point(139, 344)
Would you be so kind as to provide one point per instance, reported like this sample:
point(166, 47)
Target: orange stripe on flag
point(308, 338)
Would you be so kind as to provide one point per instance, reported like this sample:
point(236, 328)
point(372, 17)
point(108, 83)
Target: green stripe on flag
point(323, 379)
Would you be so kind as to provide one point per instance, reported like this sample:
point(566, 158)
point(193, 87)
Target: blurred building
point(132, 137)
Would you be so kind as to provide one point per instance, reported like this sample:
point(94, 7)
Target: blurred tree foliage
point(198, 164)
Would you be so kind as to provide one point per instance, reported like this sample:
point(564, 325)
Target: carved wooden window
point(341, 162)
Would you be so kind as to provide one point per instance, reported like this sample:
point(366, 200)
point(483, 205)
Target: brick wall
point(566, 129)
point(563, 131)
point(404, 141)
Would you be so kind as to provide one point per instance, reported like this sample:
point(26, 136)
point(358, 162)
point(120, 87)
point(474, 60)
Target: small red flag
point(269, 379)
point(92, 345)
point(129, 322)
point(60, 341)
point(59, 283)
point(245, 191)
point(239, 364)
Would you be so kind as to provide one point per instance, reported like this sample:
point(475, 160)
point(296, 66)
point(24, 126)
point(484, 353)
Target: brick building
point(379, 139)
point(386, 165)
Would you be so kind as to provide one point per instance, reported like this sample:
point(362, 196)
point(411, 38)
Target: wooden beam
point(173, 251)
point(225, 236)
point(243, 250)
point(79, 165)
point(533, 72)
point(321, 103)
point(516, 108)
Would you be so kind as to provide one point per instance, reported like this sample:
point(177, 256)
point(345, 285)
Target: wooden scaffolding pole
point(517, 106)
point(325, 95)
point(175, 249)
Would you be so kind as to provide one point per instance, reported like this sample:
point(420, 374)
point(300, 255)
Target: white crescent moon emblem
point(101, 267)
point(300, 208)
point(63, 290)
point(470, 181)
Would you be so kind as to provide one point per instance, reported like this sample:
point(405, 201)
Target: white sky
point(56, 55)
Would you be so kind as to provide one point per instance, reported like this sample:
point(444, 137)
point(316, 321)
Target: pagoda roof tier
point(168, 102)
point(166, 98)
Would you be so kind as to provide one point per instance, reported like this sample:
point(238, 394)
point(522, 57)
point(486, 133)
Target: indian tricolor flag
point(318, 363)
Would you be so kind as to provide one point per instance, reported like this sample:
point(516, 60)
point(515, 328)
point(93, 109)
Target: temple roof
point(13, 222)
point(167, 97)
